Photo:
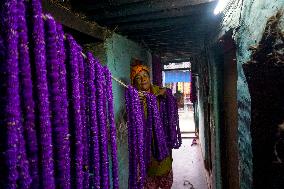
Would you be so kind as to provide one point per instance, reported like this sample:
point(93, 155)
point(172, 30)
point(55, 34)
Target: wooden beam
point(143, 7)
point(185, 21)
point(71, 20)
point(95, 5)
point(196, 10)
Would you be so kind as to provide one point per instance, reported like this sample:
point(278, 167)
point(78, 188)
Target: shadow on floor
point(188, 167)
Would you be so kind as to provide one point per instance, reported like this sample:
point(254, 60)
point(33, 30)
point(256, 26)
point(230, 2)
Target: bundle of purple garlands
point(57, 120)
point(157, 133)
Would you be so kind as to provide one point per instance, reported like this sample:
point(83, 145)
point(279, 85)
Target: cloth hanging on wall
point(177, 76)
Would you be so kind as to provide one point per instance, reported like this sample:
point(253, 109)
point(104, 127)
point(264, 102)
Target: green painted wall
point(247, 19)
point(118, 54)
point(211, 68)
point(216, 73)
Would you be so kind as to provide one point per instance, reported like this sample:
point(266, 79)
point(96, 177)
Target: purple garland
point(85, 139)
point(12, 109)
point(26, 130)
point(92, 107)
point(112, 128)
point(136, 138)
point(139, 124)
point(179, 140)
point(165, 119)
point(169, 113)
point(75, 111)
point(193, 92)
point(131, 139)
point(55, 98)
point(172, 110)
point(160, 150)
point(157, 70)
point(63, 141)
point(101, 114)
point(148, 128)
point(46, 154)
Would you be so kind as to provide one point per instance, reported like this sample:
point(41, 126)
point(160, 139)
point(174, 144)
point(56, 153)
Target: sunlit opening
point(220, 6)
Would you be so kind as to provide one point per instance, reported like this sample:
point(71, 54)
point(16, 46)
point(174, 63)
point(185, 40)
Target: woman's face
point(142, 81)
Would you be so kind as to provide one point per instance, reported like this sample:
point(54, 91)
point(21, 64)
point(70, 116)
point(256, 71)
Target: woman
point(159, 173)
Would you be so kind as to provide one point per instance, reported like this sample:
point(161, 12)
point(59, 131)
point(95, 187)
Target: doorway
point(177, 77)
point(188, 165)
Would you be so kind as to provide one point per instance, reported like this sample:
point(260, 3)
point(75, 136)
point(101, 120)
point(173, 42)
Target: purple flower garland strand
point(28, 105)
point(101, 98)
point(63, 140)
point(85, 140)
point(169, 116)
point(55, 98)
point(131, 139)
point(46, 154)
point(75, 111)
point(112, 129)
point(164, 117)
point(139, 124)
point(27, 133)
point(149, 131)
point(12, 109)
point(137, 169)
point(172, 110)
point(160, 144)
point(176, 116)
point(93, 123)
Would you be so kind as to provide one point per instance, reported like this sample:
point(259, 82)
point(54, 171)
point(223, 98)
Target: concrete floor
point(188, 167)
point(186, 122)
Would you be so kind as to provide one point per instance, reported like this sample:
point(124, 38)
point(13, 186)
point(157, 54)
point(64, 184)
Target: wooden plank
point(144, 7)
point(95, 5)
point(71, 20)
point(196, 10)
point(192, 22)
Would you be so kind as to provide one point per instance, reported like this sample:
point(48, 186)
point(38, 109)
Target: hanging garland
point(157, 70)
point(155, 135)
point(94, 133)
point(75, 115)
point(193, 92)
point(46, 154)
point(27, 136)
point(132, 136)
point(85, 140)
point(111, 128)
point(41, 82)
point(169, 113)
point(140, 126)
point(12, 106)
point(160, 150)
point(63, 134)
point(101, 114)
point(59, 129)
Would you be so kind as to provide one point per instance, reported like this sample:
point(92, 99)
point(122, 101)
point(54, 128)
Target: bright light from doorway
point(220, 6)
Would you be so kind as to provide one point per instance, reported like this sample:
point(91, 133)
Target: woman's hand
point(162, 92)
point(141, 96)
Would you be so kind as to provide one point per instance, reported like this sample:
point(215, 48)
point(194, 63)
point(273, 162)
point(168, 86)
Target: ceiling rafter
point(164, 23)
point(176, 12)
point(103, 4)
point(143, 7)
point(73, 21)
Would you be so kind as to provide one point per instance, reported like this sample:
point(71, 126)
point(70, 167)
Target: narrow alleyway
point(188, 164)
point(92, 93)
